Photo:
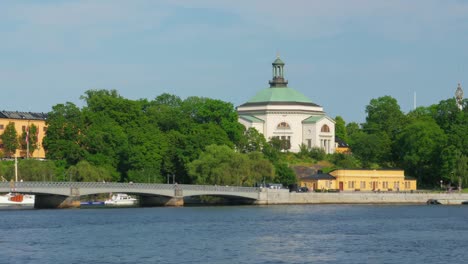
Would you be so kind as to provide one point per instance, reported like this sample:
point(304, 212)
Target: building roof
point(280, 95)
point(341, 143)
point(278, 61)
point(251, 119)
point(320, 176)
point(23, 115)
point(313, 119)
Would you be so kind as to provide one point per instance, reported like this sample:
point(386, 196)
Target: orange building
point(22, 122)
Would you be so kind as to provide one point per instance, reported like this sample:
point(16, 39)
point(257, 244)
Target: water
point(237, 234)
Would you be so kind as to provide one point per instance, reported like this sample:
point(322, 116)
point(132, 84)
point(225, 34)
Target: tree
point(252, 140)
point(340, 129)
point(371, 148)
point(462, 170)
point(384, 115)
point(29, 137)
point(219, 165)
point(10, 140)
point(352, 129)
point(64, 137)
point(86, 172)
point(223, 166)
point(285, 175)
point(418, 148)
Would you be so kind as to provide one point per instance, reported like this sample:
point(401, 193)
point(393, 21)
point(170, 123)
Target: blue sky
point(340, 54)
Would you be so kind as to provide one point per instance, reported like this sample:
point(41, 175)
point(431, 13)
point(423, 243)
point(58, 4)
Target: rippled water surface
point(239, 234)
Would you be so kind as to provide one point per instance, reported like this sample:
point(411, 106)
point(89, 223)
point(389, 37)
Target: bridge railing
point(129, 186)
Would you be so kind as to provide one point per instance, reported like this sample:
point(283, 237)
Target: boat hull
point(16, 199)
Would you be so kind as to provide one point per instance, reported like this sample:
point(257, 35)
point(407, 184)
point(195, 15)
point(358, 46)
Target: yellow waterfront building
point(22, 122)
point(360, 180)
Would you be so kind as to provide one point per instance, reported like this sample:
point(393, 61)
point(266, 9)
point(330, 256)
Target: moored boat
point(121, 199)
point(17, 199)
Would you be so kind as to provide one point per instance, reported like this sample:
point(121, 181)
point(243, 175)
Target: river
point(237, 234)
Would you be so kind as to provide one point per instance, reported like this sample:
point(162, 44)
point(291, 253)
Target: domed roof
point(278, 61)
point(279, 94)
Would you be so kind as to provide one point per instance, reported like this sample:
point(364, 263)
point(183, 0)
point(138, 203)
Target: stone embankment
point(272, 196)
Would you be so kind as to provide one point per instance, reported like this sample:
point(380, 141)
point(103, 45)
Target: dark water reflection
point(239, 234)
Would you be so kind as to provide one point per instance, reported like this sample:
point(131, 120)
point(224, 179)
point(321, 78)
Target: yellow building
point(22, 121)
point(360, 180)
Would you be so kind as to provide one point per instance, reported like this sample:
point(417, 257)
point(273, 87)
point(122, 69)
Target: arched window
point(325, 128)
point(283, 125)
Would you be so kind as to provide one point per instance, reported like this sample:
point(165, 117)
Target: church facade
point(282, 112)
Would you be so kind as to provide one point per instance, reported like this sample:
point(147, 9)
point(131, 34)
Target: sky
point(340, 54)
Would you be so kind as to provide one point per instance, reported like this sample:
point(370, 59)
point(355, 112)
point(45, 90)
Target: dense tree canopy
point(199, 140)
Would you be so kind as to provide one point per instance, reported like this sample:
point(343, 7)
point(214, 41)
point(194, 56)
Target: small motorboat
point(121, 199)
point(17, 199)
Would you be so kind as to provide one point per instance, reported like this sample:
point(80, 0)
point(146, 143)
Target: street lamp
point(441, 182)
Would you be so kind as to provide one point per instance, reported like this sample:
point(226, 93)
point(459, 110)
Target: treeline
point(196, 140)
point(429, 143)
point(200, 141)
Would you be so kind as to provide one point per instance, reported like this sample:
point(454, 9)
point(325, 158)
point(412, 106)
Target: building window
point(385, 185)
point(1, 127)
point(44, 129)
point(351, 185)
point(283, 125)
point(363, 185)
point(396, 185)
point(407, 185)
point(23, 128)
point(309, 143)
point(325, 128)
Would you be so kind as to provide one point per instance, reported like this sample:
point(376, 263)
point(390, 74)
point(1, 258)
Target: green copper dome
point(280, 94)
point(278, 61)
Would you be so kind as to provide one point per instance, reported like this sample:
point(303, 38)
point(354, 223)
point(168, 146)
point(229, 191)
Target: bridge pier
point(56, 201)
point(51, 201)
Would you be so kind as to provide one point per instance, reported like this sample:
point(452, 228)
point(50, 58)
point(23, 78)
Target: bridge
point(67, 194)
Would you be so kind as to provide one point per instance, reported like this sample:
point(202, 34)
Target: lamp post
point(441, 182)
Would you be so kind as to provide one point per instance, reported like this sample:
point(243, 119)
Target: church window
point(325, 128)
point(309, 143)
point(283, 125)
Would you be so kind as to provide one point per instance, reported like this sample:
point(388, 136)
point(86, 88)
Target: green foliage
point(461, 170)
point(223, 166)
point(344, 161)
point(384, 116)
point(284, 174)
point(352, 129)
point(252, 140)
point(418, 147)
point(86, 172)
point(63, 141)
point(10, 140)
point(340, 128)
point(36, 170)
point(29, 135)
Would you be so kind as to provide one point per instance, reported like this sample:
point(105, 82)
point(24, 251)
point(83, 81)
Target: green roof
point(313, 119)
point(252, 119)
point(278, 61)
point(279, 94)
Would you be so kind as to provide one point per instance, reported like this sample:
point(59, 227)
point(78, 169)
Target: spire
point(278, 73)
point(459, 96)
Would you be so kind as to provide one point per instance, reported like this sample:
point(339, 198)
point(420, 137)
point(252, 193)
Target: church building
point(282, 112)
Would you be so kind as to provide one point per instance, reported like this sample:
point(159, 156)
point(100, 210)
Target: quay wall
point(272, 196)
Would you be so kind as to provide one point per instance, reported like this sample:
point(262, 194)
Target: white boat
point(120, 199)
point(17, 199)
